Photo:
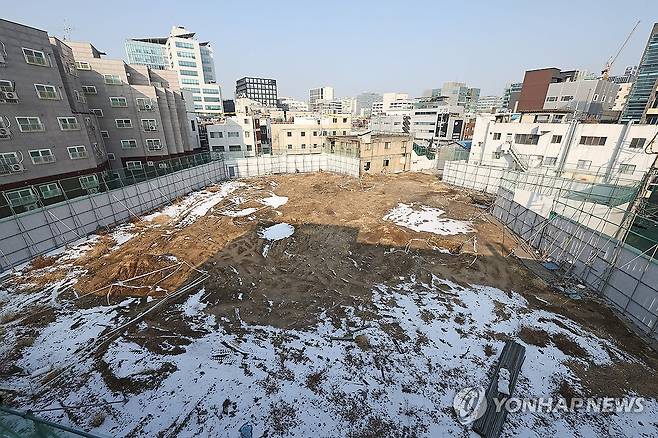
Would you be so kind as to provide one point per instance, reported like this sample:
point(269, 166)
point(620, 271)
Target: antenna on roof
point(67, 31)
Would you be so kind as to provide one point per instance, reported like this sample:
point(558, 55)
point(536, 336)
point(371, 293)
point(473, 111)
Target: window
point(234, 148)
point(637, 143)
point(128, 144)
point(551, 99)
point(77, 152)
point(595, 98)
point(21, 197)
point(303, 146)
point(188, 72)
point(366, 165)
point(97, 112)
point(42, 156)
point(68, 123)
point(566, 98)
point(335, 120)
point(6, 85)
point(233, 134)
point(149, 125)
point(289, 134)
point(183, 54)
point(111, 156)
point(188, 81)
point(217, 148)
point(184, 45)
point(111, 79)
point(153, 144)
point(88, 181)
point(118, 102)
point(216, 135)
point(186, 63)
point(289, 146)
point(50, 190)
point(387, 145)
point(134, 165)
point(584, 164)
point(386, 163)
point(8, 158)
point(303, 134)
point(29, 124)
point(144, 103)
point(82, 65)
point(46, 92)
point(89, 89)
point(593, 141)
point(123, 123)
point(496, 135)
point(315, 133)
point(344, 120)
point(79, 97)
point(526, 138)
point(105, 134)
point(627, 169)
point(315, 145)
point(556, 139)
point(549, 161)
point(35, 57)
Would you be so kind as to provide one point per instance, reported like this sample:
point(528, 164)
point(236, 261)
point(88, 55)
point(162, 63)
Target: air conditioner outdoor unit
point(5, 133)
point(11, 96)
point(92, 190)
point(148, 107)
point(31, 206)
point(162, 165)
point(150, 163)
point(16, 167)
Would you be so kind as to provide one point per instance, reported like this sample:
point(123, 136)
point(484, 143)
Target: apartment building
point(142, 112)
point(612, 149)
point(343, 105)
point(237, 136)
point(378, 153)
point(394, 122)
point(306, 135)
point(364, 102)
point(191, 59)
point(46, 129)
point(261, 90)
point(290, 104)
point(488, 104)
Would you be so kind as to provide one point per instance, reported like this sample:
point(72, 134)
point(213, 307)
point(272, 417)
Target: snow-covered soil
point(427, 219)
point(394, 374)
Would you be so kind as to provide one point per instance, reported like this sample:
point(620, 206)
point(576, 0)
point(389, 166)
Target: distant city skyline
point(370, 46)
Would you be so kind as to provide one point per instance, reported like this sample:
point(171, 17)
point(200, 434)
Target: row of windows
point(26, 196)
point(230, 134)
point(532, 139)
point(303, 146)
point(315, 133)
point(44, 156)
point(34, 124)
point(152, 144)
point(626, 169)
point(231, 148)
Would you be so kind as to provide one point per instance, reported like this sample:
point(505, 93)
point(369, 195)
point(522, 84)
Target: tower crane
point(605, 73)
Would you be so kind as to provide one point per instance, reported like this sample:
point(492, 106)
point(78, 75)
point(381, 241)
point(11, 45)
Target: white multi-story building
point(364, 102)
point(598, 148)
point(622, 96)
point(433, 121)
point(488, 104)
point(391, 102)
point(190, 58)
point(236, 136)
point(316, 95)
point(290, 104)
point(344, 105)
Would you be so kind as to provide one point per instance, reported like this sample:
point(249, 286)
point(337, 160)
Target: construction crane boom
point(605, 73)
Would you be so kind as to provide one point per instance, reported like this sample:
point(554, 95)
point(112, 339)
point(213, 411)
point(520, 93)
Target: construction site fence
point(593, 187)
point(589, 244)
point(116, 199)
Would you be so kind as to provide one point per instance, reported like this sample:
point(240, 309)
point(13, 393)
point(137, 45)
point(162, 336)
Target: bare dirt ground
point(341, 250)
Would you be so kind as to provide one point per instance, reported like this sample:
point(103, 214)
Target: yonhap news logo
point(471, 403)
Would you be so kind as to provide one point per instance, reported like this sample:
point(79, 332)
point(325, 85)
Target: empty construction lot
point(307, 304)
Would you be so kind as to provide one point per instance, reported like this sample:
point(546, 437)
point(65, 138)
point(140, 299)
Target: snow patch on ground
point(274, 201)
point(122, 235)
point(277, 232)
point(426, 219)
point(196, 204)
point(239, 213)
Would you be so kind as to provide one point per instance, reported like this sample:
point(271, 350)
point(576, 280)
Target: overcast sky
point(356, 46)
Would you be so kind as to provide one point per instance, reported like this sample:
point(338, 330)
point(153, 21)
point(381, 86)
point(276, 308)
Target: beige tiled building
point(378, 153)
point(306, 135)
